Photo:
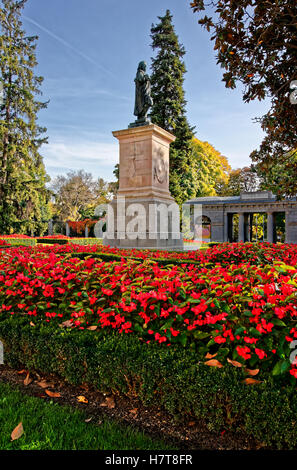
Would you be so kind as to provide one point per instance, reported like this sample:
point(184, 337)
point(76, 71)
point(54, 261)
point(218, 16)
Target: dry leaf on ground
point(109, 402)
point(28, 380)
point(53, 394)
point(82, 399)
point(17, 432)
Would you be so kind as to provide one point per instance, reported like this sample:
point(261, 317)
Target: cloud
point(97, 158)
point(68, 45)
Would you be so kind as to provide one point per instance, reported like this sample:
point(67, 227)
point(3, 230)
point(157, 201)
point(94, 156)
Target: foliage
point(24, 199)
point(256, 44)
point(169, 109)
point(240, 180)
point(80, 226)
point(244, 311)
point(19, 241)
point(212, 167)
point(169, 378)
point(279, 176)
point(77, 195)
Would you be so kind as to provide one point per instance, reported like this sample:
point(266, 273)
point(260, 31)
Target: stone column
point(241, 228)
point(251, 227)
point(270, 227)
point(291, 225)
point(86, 232)
point(67, 230)
point(50, 227)
point(226, 227)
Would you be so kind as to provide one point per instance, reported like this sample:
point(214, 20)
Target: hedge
point(170, 378)
point(20, 241)
point(66, 241)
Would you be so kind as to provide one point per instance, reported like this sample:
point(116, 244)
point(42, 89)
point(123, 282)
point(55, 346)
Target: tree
point(169, 108)
point(24, 199)
point(241, 180)
point(256, 44)
point(279, 176)
point(77, 195)
point(213, 168)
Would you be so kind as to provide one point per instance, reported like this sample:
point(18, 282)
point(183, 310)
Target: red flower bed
point(244, 312)
point(3, 243)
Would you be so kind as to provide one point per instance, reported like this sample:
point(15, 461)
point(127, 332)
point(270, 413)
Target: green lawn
point(50, 426)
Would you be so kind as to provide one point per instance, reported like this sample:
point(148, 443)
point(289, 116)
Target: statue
point(143, 99)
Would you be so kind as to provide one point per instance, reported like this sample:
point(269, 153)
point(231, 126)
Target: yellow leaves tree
point(213, 168)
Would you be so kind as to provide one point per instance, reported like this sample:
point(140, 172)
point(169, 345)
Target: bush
point(66, 241)
point(19, 241)
point(170, 378)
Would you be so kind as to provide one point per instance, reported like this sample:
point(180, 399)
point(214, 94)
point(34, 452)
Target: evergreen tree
point(169, 109)
point(24, 199)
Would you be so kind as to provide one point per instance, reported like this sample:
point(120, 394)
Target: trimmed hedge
point(20, 241)
point(67, 241)
point(171, 378)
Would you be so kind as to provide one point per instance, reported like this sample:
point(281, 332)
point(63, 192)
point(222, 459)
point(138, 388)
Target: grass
point(50, 426)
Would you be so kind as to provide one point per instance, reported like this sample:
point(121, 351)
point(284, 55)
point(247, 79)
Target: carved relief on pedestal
point(132, 164)
point(160, 170)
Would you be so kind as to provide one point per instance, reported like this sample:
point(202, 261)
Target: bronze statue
point(143, 99)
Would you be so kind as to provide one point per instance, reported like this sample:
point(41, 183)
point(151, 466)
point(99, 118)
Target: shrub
point(171, 378)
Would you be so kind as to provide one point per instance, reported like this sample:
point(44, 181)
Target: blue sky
point(88, 53)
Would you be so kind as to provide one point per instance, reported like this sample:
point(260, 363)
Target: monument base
point(144, 224)
point(144, 215)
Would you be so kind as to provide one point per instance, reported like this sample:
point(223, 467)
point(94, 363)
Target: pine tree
point(23, 196)
point(169, 109)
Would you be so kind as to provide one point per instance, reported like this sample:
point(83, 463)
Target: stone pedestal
point(144, 214)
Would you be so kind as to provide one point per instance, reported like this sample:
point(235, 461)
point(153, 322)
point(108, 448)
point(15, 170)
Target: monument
point(143, 214)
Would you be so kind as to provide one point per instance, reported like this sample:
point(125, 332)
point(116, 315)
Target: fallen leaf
point(92, 328)
point(44, 384)
point(32, 324)
point(210, 356)
point(88, 420)
point(28, 379)
point(251, 381)
point(22, 372)
point(17, 432)
point(66, 324)
point(109, 402)
point(253, 371)
point(53, 394)
point(213, 363)
point(134, 411)
point(82, 399)
point(234, 363)
point(191, 423)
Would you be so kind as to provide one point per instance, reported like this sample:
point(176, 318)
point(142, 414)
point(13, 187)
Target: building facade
point(219, 213)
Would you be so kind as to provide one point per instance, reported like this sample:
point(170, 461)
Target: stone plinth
point(144, 204)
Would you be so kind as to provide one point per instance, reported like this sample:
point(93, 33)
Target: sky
point(88, 54)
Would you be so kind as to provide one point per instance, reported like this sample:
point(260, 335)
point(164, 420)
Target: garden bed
point(205, 337)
